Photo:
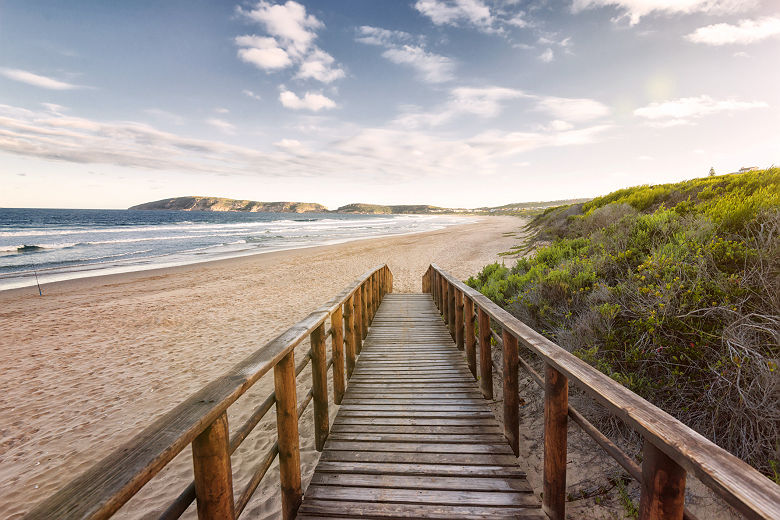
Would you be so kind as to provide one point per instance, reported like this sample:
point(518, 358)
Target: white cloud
point(288, 144)
point(485, 102)
point(682, 110)
point(321, 66)
point(221, 110)
point(288, 22)
point(450, 12)
point(573, 109)
point(290, 41)
point(263, 53)
point(249, 93)
point(389, 154)
point(310, 101)
point(431, 68)
point(223, 126)
point(382, 37)
point(636, 9)
point(400, 49)
point(36, 80)
point(746, 31)
point(547, 56)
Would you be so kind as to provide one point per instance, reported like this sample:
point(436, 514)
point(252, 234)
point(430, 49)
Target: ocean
point(61, 244)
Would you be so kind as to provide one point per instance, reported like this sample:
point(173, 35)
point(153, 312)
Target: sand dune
point(96, 360)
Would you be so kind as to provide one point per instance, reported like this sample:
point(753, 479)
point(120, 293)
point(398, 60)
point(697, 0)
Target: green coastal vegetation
point(672, 290)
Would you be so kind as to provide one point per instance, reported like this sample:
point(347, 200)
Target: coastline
point(97, 359)
point(30, 278)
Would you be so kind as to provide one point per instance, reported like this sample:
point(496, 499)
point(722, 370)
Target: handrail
point(670, 447)
point(202, 420)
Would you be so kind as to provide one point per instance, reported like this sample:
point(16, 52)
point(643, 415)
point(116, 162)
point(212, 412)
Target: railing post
point(349, 335)
point(319, 386)
point(213, 476)
point(471, 351)
point(364, 310)
point(451, 309)
point(511, 389)
point(459, 319)
point(377, 298)
point(663, 486)
point(287, 431)
point(556, 405)
point(358, 328)
point(337, 346)
point(444, 307)
point(485, 355)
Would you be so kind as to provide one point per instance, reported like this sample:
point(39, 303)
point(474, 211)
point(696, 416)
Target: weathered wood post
point(459, 319)
point(663, 486)
point(556, 405)
point(444, 300)
point(358, 329)
point(337, 346)
point(485, 355)
point(364, 310)
point(377, 297)
point(213, 476)
point(471, 351)
point(319, 386)
point(511, 389)
point(349, 335)
point(451, 309)
point(287, 431)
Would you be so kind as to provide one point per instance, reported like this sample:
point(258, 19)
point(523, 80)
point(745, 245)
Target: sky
point(457, 103)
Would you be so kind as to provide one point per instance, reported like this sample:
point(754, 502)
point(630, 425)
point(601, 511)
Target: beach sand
point(95, 360)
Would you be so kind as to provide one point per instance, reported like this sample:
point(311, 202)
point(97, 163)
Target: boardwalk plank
point(413, 437)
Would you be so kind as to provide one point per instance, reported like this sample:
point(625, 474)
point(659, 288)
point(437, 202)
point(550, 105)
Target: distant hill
point(359, 208)
point(378, 209)
point(221, 204)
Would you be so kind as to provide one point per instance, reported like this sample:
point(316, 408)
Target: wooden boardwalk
point(413, 437)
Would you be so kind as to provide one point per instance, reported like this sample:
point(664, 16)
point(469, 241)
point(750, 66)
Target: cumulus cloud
point(450, 12)
point(310, 101)
point(745, 32)
point(684, 110)
point(573, 109)
point(634, 10)
point(36, 80)
point(430, 67)
point(382, 37)
point(289, 42)
point(547, 56)
point(251, 94)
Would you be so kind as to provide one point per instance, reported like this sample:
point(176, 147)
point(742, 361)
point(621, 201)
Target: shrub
point(674, 292)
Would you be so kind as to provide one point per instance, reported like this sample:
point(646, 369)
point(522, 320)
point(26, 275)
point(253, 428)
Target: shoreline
point(60, 274)
point(97, 359)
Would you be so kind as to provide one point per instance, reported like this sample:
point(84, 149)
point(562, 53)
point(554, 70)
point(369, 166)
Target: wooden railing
point(670, 449)
point(202, 421)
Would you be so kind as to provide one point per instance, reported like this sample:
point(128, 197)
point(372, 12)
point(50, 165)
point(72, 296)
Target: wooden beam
point(349, 335)
point(663, 486)
point(511, 395)
point(459, 319)
point(485, 355)
point(337, 346)
point(451, 309)
point(213, 476)
point(556, 405)
point(287, 431)
point(319, 378)
point(470, 339)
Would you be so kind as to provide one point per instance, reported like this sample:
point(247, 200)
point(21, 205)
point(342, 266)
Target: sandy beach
point(95, 360)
